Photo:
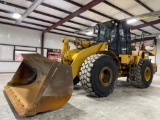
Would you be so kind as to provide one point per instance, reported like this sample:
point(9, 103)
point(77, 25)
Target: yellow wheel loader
point(41, 85)
point(97, 66)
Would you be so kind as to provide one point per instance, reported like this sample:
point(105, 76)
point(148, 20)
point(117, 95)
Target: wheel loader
point(41, 85)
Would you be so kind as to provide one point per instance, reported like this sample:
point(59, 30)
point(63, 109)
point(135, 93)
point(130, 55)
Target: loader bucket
point(39, 85)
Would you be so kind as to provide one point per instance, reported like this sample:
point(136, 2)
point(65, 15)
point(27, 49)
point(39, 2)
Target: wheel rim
point(147, 74)
point(105, 76)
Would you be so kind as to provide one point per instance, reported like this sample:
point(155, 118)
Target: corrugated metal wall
point(25, 37)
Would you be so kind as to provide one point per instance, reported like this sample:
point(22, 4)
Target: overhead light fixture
point(129, 21)
point(16, 15)
point(31, 8)
point(90, 33)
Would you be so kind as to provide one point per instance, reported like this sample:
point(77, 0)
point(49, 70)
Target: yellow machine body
point(76, 57)
point(41, 85)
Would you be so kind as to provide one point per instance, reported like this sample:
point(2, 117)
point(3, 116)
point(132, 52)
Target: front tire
point(98, 75)
point(142, 74)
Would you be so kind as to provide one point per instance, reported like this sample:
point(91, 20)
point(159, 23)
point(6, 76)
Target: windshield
point(107, 31)
point(117, 34)
point(102, 33)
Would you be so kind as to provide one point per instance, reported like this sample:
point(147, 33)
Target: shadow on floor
point(124, 90)
point(77, 87)
point(67, 112)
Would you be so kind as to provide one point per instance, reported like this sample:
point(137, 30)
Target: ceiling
point(52, 11)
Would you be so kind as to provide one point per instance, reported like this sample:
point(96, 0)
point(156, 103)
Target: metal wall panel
point(19, 36)
point(55, 41)
point(6, 53)
point(24, 37)
point(9, 66)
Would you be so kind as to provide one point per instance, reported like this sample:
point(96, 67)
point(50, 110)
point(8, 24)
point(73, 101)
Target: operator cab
point(117, 34)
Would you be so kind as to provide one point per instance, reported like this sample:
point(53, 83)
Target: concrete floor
point(125, 103)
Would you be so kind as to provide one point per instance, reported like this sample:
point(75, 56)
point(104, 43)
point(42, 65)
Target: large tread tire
point(89, 74)
point(136, 74)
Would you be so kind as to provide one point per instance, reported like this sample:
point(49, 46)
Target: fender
point(113, 55)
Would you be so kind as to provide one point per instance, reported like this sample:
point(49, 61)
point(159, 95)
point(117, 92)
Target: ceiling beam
point(108, 3)
point(145, 6)
point(32, 7)
point(141, 39)
point(5, 23)
point(74, 14)
point(94, 11)
point(16, 25)
point(46, 21)
point(39, 19)
point(49, 15)
point(6, 11)
point(39, 25)
point(145, 25)
point(115, 7)
point(65, 11)
point(91, 10)
point(143, 31)
point(42, 13)
point(148, 8)
point(37, 29)
point(79, 5)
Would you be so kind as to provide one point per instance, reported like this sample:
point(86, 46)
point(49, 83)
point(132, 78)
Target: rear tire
point(141, 75)
point(98, 75)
